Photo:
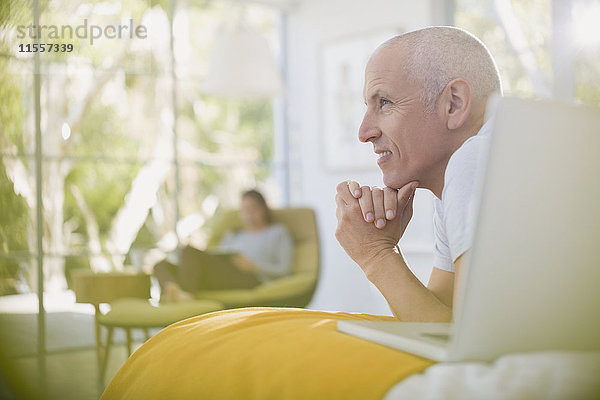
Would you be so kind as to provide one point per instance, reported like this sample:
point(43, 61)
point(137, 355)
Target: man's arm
point(373, 249)
point(409, 300)
point(443, 283)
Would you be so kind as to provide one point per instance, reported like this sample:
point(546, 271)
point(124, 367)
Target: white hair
point(436, 55)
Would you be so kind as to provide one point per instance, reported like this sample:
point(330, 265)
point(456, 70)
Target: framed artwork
point(343, 64)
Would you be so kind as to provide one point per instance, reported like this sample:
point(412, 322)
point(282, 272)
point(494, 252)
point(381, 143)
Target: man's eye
point(383, 102)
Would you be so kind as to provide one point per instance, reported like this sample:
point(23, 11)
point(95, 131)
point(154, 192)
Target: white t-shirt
point(454, 215)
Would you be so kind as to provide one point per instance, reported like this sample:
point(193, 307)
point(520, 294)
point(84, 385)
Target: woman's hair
point(260, 199)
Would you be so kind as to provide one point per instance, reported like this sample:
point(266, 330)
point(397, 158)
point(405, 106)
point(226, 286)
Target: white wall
point(312, 27)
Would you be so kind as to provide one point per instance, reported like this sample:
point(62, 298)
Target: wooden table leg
point(104, 367)
point(98, 337)
point(129, 341)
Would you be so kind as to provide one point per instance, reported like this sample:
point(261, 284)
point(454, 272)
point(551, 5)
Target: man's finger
point(405, 193)
point(339, 200)
point(354, 188)
point(378, 207)
point(408, 210)
point(390, 201)
point(340, 205)
point(343, 191)
point(366, 204)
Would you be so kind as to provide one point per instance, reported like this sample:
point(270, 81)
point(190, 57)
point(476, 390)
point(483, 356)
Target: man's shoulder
point(471, 149)
point(466, 165)
point(469, 155)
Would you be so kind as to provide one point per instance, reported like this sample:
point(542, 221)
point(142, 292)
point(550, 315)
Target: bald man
point(426, 93)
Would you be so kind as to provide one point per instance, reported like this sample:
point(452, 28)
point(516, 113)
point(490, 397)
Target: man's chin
point(391, 182)
point(395, 182)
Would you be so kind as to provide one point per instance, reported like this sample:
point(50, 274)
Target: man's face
point(403, 135)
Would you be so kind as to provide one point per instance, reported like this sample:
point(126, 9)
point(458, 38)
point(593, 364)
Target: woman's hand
point(242, 263)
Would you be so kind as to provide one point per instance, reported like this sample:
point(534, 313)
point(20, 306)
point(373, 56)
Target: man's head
point(425, 93)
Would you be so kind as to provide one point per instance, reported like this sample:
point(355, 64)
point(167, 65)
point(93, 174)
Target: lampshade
point(242, 65)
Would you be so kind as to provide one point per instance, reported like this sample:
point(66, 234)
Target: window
point(135, 159)
point(544, 48)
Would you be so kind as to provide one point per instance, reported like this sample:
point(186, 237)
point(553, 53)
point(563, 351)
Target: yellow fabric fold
point(262, 353)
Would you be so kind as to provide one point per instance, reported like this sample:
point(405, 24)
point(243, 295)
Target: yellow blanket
point(262, 353)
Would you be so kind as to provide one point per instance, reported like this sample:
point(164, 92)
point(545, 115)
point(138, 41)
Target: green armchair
point(295, 290)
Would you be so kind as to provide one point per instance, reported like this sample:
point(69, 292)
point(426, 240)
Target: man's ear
point(457, 102)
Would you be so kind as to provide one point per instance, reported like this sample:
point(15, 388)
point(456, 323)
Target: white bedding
point(546, 375)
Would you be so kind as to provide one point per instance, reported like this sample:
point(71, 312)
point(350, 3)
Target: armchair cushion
point(286, 286)
point(273, 293)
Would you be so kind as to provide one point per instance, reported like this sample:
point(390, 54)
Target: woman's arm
point(281, 263)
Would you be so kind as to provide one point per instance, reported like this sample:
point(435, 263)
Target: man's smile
point(384, 155)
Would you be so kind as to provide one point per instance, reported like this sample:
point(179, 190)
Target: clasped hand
point(371, 220)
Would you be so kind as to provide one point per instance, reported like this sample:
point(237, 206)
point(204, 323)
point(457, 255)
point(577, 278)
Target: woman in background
point(258, 253)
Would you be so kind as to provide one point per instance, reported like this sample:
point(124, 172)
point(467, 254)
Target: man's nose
point(368, 130)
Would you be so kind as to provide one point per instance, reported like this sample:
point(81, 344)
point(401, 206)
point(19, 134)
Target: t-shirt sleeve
point(460, 204)
point(454, 219)
point(228, 242)
point(441, 251)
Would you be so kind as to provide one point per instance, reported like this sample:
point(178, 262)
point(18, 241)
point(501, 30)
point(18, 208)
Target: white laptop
point(532, 281)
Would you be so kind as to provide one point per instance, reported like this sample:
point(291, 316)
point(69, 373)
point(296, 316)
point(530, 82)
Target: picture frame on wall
point(343, 63)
